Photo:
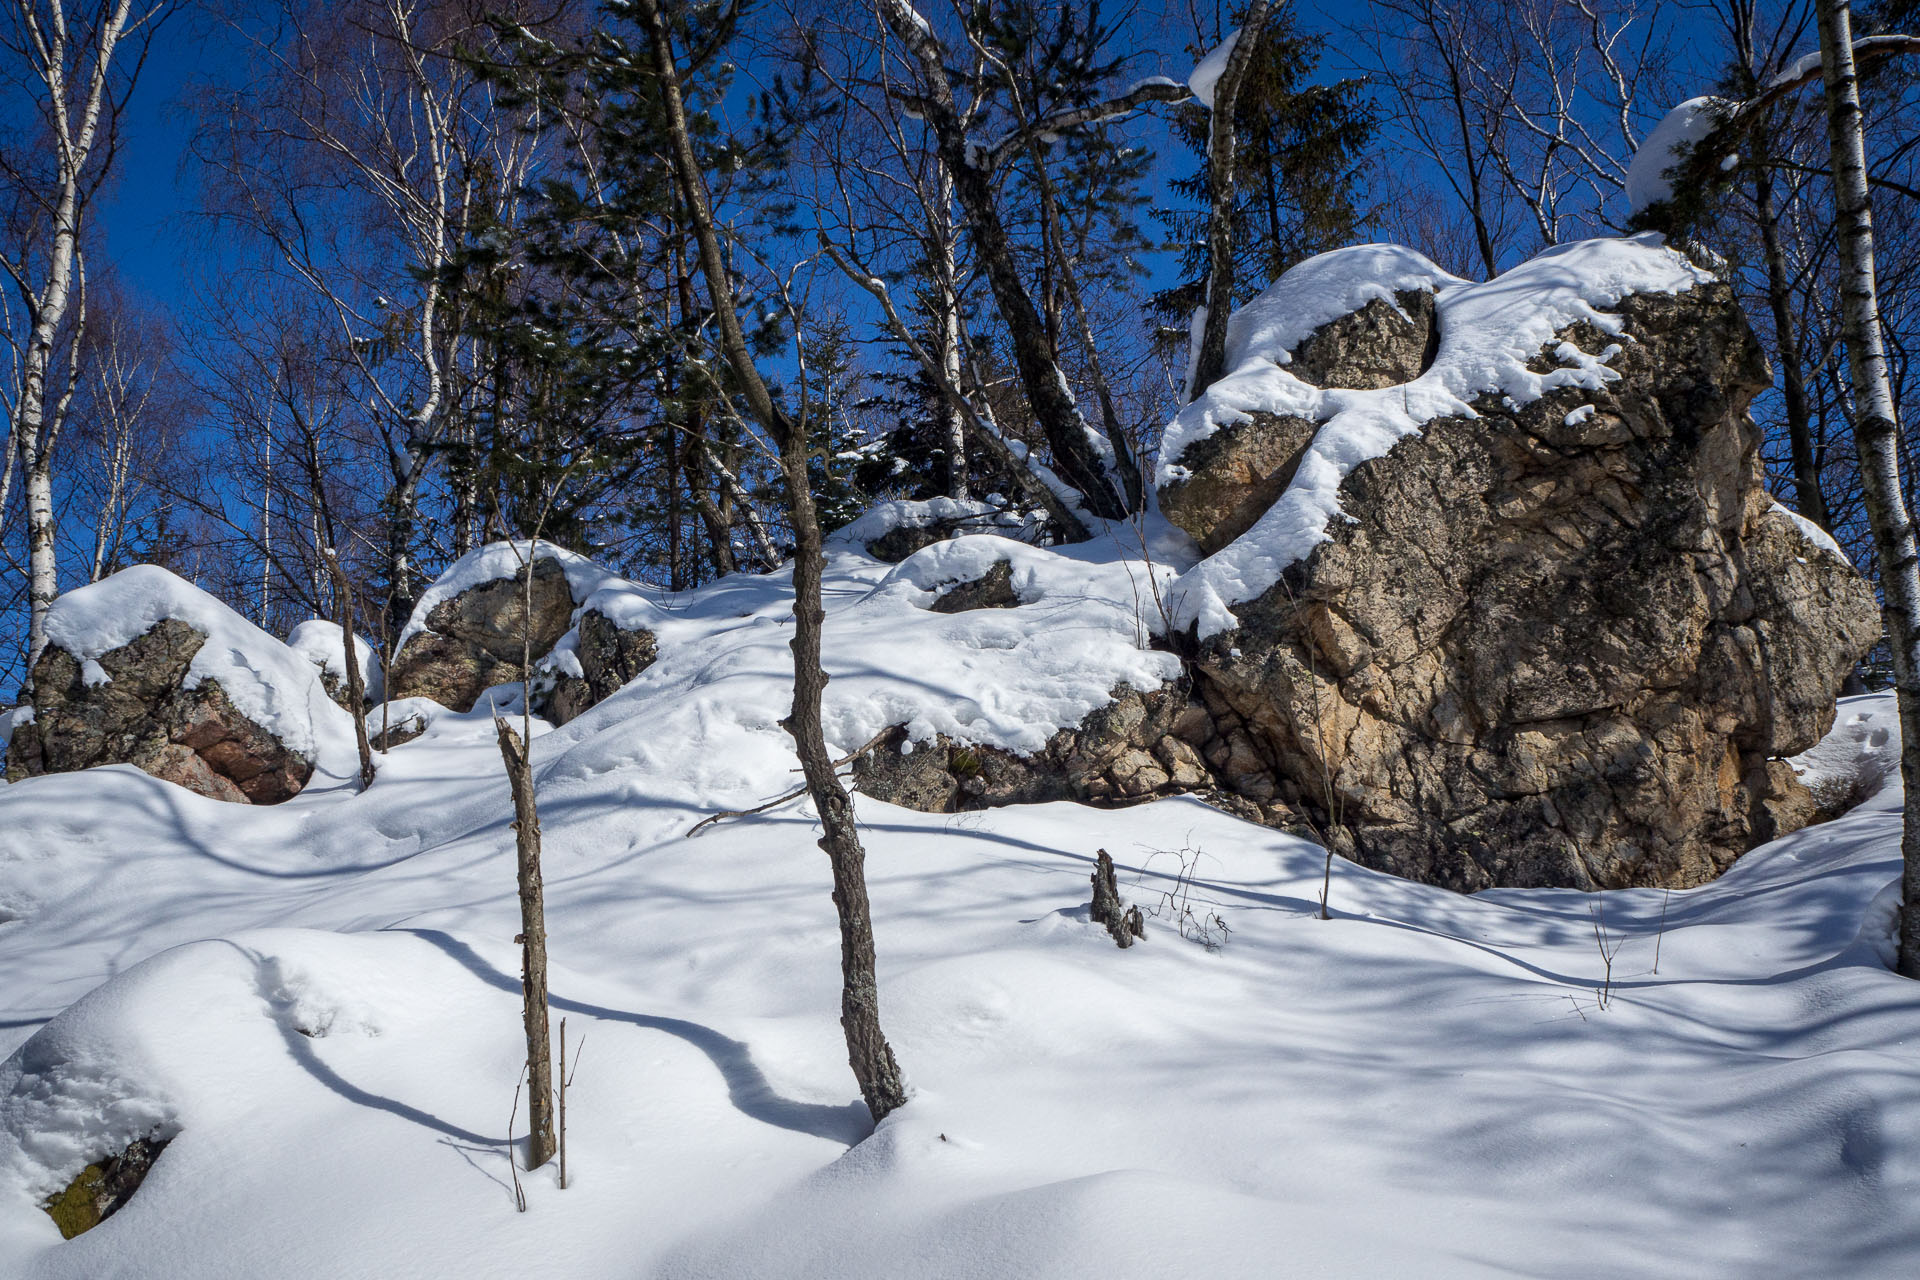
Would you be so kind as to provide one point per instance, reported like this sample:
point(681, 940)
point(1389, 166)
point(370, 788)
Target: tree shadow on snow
point(747, 1086)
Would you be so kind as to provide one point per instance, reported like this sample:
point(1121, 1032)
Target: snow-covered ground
point(319, 1001)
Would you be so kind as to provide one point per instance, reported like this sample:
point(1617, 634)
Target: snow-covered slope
point(319, 1002)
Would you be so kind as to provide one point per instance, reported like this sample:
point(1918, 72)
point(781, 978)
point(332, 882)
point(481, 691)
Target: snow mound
point(265, 680)
point(1682, 128)
point(1488, 333)
point(319, 641)
point(886, 517)
point(1321, 290)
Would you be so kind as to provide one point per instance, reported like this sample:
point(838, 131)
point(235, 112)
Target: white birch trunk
point(75, 129)
point(1876, 433)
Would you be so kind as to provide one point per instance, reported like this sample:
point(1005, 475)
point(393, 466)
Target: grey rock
point(609, 658)
point(475, 640)
point(991, 590)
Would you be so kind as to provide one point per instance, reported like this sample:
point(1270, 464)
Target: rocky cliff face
point(1534, 621)
point(1555, 643)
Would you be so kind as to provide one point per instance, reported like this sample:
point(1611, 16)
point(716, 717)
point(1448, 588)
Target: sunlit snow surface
point(320, 1000)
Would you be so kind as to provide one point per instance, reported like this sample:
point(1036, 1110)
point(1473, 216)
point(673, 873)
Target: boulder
point(1526, 618)
point(1561, 642)
point(608, 656)
point(98, 1191)
point(1228, 480)
point(470, 639)
point(199, 697)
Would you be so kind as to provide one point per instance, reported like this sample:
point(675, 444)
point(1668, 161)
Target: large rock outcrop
point(147, 670)
point(475, 637)
point(1564, 641)
point(1493, 592)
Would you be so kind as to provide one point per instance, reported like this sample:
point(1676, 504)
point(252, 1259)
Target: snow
point(494, 562)
point(319, 1002)
point(1488, 333)
point(266, 681)
point(319, 641)
point(1812, 532)
point(1211, 68)
point(1681, 129)
point(885, 517)
point(1320, 291)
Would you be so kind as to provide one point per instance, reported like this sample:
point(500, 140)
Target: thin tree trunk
point(868, 1053)
point(402, 516)
point(756, 527)
point(1125, 469)
point(1222, 147)
point(946, 284)
point(541, 1142)
point(356, 686)
point(1876, 434)
point(1807, 498)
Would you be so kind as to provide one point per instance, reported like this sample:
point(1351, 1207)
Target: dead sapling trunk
point(541, 1140)
point(541, 1143)
point(1124, 924)
point(565, 1082)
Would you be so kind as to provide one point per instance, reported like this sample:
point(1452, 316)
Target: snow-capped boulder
point(892, 531)
point(1528, 617)
point(472, 627)
point(145, 669)
point(319, 641)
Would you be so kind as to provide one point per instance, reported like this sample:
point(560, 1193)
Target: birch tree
point(1876, 431)
point(356, 157)
point(77, 64)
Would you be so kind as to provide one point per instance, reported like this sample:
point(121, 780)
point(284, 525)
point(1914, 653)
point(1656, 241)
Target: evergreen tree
point(1299, 155)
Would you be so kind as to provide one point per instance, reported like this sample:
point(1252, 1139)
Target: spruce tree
point(1300, 149)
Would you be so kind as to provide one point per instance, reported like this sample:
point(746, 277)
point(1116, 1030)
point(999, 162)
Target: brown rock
point(1235, 474)
point(1553, 653)
point(475, 640)
point(609, 658)
point(1380, 345)
point(143, 717)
